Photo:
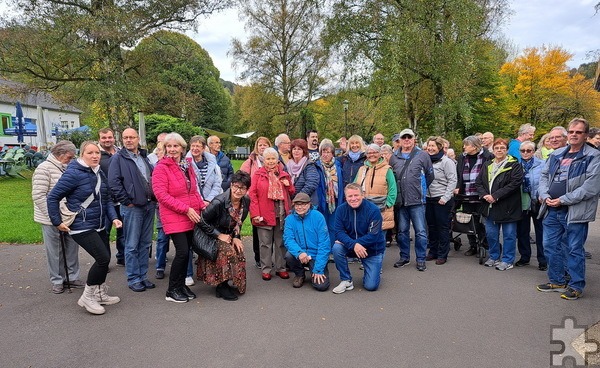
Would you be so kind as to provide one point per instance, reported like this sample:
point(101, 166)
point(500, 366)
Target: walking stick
point(62, 245)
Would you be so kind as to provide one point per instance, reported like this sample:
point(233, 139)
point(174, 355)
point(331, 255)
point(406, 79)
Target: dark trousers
point(298, 269)
point(96, 244)
point(255, 244)
point(438, 223)
point(183, 244)
point(120, 237)
point(523, 240)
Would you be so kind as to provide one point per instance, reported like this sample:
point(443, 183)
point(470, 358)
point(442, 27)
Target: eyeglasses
point(500, 148)
point(578, 132)
point(406, 137)
point(526, 150)
point(239, 188)
point(129, 137)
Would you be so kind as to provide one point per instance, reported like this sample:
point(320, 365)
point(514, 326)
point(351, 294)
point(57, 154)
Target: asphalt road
point(460, 314)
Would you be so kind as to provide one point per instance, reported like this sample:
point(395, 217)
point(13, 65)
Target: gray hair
point(386, 148)
point(373, 147)
point(177, 138)
point(326, 144)
point(474, 141)
point(562, 130)
point(525, 128)
point(529, 144)
point(270, 151)
point(62, 148)
point(198, 138)
point(279, 138)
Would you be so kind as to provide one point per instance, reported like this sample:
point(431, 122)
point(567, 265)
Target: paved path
point(457, 315)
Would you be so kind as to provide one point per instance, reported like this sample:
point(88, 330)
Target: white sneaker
point(343, 286)
point(189, 281)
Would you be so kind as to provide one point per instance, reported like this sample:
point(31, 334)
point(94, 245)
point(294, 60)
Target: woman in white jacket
point(44, 178)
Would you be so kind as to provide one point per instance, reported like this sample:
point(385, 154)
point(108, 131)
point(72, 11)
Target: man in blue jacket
point(307, 240)
point(358, 234)
point(129, 177)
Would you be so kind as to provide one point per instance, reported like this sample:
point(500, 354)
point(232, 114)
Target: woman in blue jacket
point(86, 191)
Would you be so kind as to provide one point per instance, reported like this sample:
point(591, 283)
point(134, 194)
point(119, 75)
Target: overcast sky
point(571, 24)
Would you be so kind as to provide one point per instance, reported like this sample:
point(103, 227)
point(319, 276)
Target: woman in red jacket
point(180, 203)
point(270, 194)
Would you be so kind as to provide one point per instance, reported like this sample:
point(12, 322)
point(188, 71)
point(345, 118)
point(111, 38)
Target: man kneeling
point(358, 234)
point(307, 239)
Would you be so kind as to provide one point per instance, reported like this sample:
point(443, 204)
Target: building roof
point(11, 92)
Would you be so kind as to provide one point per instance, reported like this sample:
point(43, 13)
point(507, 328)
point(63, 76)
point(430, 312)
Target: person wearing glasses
point(569, 188)
point(222, 219)
point(499, 185)
point(214, 147)
point(532, 169)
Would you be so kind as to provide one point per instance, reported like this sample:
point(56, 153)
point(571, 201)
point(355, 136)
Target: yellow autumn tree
point(540, 90)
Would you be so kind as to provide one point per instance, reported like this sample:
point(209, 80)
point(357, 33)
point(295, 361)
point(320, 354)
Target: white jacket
point(44, 178)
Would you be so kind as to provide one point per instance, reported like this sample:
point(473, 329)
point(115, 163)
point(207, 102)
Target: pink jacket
point(260, 204)
point(175, 196)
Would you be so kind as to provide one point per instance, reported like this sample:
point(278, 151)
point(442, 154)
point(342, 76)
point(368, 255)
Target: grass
point(16, 211)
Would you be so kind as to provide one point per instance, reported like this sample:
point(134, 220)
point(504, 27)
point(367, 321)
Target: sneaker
point(521, 263)
point(343, 286)
point(543, 267)
point(552, 287)
point(176, 296)
point(571, 294)
point(491, 262)
point(148, 284)
point(189, 281)
point(503, 266)
point(401, 263)
point(160, 274)
point(58, 288)
point(421, 266)
point(588, 255)
point(298, 282)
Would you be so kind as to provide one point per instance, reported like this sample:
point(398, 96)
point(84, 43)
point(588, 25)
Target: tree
point(156, 124)
point(80, 45)
point(258, 109)
point(176, 76)
point(283, 53)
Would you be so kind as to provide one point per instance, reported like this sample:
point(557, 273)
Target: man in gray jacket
point(569, 188)
point(414, 173)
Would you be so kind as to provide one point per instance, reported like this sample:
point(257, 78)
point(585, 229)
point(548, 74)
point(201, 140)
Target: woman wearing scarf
point(330, 192)
point(468, 167)
point(532, 169)
point(353, 159)
point(250, 166)
point(439, 201)
point(175, 187)
point(304, 173)
point(499, 185)
point(270, 195)
point(85, 187)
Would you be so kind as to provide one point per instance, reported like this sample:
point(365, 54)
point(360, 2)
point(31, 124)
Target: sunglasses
point(406, 137)
point(578, 132)
point(526, 150)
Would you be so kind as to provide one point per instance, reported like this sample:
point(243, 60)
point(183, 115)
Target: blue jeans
point(569, 253)
point(162, 247)
point(416, 214)
point(372, 265)
point(438, 222)
point(509, 240)
point(138, 225)
point(523, 241)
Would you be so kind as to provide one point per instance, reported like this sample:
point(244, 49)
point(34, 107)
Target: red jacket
point(175, 195)
point(260, 204)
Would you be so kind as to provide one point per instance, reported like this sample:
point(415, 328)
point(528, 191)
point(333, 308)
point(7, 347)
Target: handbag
point(68, 216)
point(203, 244)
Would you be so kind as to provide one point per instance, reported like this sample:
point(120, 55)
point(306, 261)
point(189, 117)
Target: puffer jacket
point(44, 178)
point(444, 182)
point(176, 194)
point(415, 180)
point(260, 204)
point(322, 190)
point(506, 190)
point(583, 183)
point(308, 182)
point(212, 182)
point(308, 234)
point(379, 181)
point(226, 169)
point(76, 184)
point(361, 225)
point(216, 219)
point(350, 168)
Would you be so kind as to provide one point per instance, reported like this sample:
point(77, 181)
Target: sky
point(570, 24)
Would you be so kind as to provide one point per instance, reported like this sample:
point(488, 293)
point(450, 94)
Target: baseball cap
point(407, 132)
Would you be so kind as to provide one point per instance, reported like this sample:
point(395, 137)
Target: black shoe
point(138, 287)
point(521, 263)
point(148, 284)
point(588, 255)
point(421, 266)
point(257, 264)
point(401, 263)
point(160, 274)
point(187, 292)
point(471, 252)
point(223, 291)
point(121, 262)
point(176, 296)
point(543, 267)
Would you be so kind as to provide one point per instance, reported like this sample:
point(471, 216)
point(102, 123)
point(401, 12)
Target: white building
point(55, 114)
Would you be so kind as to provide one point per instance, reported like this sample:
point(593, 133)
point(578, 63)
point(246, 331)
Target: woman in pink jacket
point(180, 203)
point(270, 194)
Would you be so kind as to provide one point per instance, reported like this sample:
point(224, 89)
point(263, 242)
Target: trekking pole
point(62, 246)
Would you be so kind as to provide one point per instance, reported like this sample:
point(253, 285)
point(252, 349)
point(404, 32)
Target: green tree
point(176, 76)
point(156, 124)
point(283, 53)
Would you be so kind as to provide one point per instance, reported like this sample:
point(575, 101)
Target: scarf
point(294, 169)
point(331, 184)
point(527, 165)
point(354, 155)
point(438, 156)
point(183, 166)
point(275, 191)
point(496, 167)
point(236, 217)
point(470, 173)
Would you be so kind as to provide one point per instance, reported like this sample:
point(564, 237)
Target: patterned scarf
point(294, 169)
point(275, 191)
point(470, 174)
point(527, 165)
point(184, 165)
point(331, 184)
point(236, 217)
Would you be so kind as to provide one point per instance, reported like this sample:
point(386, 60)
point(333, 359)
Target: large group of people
point(311, 203)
